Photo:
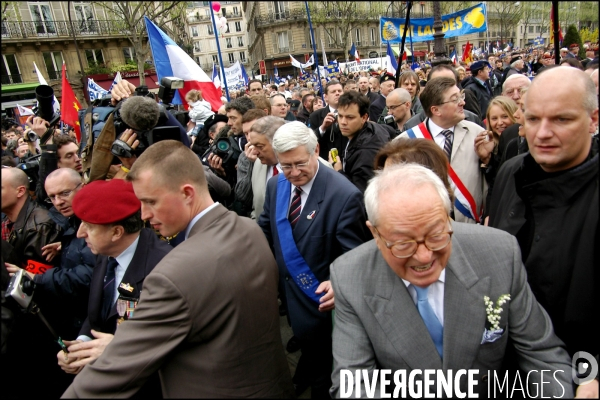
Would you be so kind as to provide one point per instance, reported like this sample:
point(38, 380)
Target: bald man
point(399, 105)
point(548, 199)
point(29, 226)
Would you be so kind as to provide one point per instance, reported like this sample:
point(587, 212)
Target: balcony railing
point(8, 79)
point(274, 18)
point(288, 49)
point(56, 29)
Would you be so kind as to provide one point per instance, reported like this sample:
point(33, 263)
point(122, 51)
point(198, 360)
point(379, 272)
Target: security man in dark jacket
point(365, 139)
point(479, 84)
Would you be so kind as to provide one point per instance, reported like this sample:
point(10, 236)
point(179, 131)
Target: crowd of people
point(446, 221)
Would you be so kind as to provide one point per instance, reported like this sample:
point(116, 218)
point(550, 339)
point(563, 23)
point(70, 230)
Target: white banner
point(365, 64)
point(233, 75)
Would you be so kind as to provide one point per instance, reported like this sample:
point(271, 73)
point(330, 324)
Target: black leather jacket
point(33, 229)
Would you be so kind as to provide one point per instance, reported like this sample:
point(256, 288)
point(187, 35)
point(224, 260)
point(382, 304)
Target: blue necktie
point(109, 287)
point(435, 328)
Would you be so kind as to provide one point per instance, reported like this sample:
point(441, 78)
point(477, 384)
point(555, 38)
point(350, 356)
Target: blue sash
point(301, 274)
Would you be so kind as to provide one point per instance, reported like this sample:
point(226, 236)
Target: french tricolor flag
point(171, 60)
point(354, 53)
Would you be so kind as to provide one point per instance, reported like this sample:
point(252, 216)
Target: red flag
point(560, 35)
point(69, 105)
point(467, 54)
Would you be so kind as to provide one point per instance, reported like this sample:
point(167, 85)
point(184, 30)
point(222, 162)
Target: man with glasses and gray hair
point(311, 216)
point(416, 297)
point(443, 103)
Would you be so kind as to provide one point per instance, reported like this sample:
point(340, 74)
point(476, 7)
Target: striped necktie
point(109, 287)
point(447, 143)
point(295, 207)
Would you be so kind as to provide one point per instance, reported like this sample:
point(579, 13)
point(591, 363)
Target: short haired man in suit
point(311, 216)
point(206, 321)
point(443, 104)
point(127, 254)
point(414, 298)
point(324, 121)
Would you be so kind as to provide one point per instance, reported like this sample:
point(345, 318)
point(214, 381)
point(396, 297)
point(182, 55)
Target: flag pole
point(380, 44)
point(487, 30)
point(401, 52)
point(312, 35)
point(212, 13)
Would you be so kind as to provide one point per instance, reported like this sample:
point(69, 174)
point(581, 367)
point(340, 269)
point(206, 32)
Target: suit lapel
point(460, 132)
point(464, 310)
point(315, 197)
point(400, 321)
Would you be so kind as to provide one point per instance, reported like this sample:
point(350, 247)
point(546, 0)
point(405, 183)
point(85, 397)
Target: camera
point(226, 148)
point(168, 85)
point(45, 107)
point(389, 120)
point(31, 167)
point(21, 288)
point(335, 115)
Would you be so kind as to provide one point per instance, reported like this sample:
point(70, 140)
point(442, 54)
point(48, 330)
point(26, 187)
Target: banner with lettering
point(463, 22)
point(234, 75)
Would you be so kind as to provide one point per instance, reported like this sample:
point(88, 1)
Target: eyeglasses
point(396, 106)
point(63, 195)
point(290, 167)
point(458, 99)
point(405, 249)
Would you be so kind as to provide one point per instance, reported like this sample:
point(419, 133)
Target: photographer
point(60, 151)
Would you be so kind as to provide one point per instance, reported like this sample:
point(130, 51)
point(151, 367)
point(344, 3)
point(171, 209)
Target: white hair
point(292, 135)
point(516, 76)
point(403, 176)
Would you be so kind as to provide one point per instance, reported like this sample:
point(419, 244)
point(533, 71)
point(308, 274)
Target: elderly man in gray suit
point(399, 308)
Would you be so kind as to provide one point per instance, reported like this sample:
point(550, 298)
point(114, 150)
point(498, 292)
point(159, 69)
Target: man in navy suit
point(311, 216)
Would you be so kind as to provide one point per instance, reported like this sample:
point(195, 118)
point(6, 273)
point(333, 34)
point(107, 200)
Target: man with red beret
point(112, 227)
point(573, 51)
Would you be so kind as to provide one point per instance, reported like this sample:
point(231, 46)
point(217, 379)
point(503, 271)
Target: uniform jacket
point(207, 321)
point(332, 138)
point(481, 92)
point(360, 154)
point(303, 115)
point(150, 250)
point(377, 324)
point(338, 225)
point(466, 164)
point(562, 250)
point(376, 108)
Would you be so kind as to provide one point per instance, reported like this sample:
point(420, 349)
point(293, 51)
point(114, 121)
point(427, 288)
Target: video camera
point(45, 109)
point(227, 148)
point(21, 288)
point(31, 167)
point(152, 134)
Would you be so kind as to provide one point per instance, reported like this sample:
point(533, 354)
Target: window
point(538, 29)
point(129, 54)
point(227, 29)
point(358, 36)
point(235, 11)
point(194, 31)
point(224, 11)
point(85, 18)
point(241, 41)
point(207, 12)
point(231, 58)
point(210, 30)
point(197, 60)
point(530, 29)
point(228, 42)
point(243, 56)
point(197, 48)
point(53, 61)
point(330, 38)
point(283, 43)
point(282, 9)
point(42, 17)
point(373, 37)
point(238, 26)
point(94, 57)
point(10, 70)
point(215, 59)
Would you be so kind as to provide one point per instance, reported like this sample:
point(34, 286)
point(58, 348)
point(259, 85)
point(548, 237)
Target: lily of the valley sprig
point(493, 313)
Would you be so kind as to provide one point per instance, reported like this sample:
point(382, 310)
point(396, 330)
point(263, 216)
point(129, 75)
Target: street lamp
point(438, 37)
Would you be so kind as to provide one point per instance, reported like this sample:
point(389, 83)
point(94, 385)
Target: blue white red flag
point(354, 52)
point(171, 60)
point(215, 77)
point(392, 63)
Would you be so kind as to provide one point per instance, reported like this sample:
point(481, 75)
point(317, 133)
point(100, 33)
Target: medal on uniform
point(125, 308)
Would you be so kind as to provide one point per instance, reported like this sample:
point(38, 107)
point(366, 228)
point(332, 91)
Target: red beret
point(573, 45)
point(105, 202)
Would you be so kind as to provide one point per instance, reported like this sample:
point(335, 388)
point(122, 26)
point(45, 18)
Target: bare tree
point(507, 15)
point(131, 17)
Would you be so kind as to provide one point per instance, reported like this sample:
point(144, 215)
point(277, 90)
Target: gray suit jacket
point(465, 162)
point(208, 323)
point(377, 324)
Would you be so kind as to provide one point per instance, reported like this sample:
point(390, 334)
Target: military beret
point(105, 202)
point(515, 58)
point(386, 77)
point(294, 105)
point(477, 65)
point(572, 46)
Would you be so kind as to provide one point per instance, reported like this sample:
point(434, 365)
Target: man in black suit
point(386, 84)
point(323, 219)
point(324, 121)
point(127, 253)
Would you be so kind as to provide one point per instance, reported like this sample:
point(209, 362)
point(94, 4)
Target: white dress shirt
point(197, 218)
point(436, 133)
point(305, 190)
point(270, 171)
point(331, 110)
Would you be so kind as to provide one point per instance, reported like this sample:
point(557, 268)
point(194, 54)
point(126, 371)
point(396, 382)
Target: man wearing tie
point(417, 296)
point(113, 229)
point(443, 103)
point(311, 216)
